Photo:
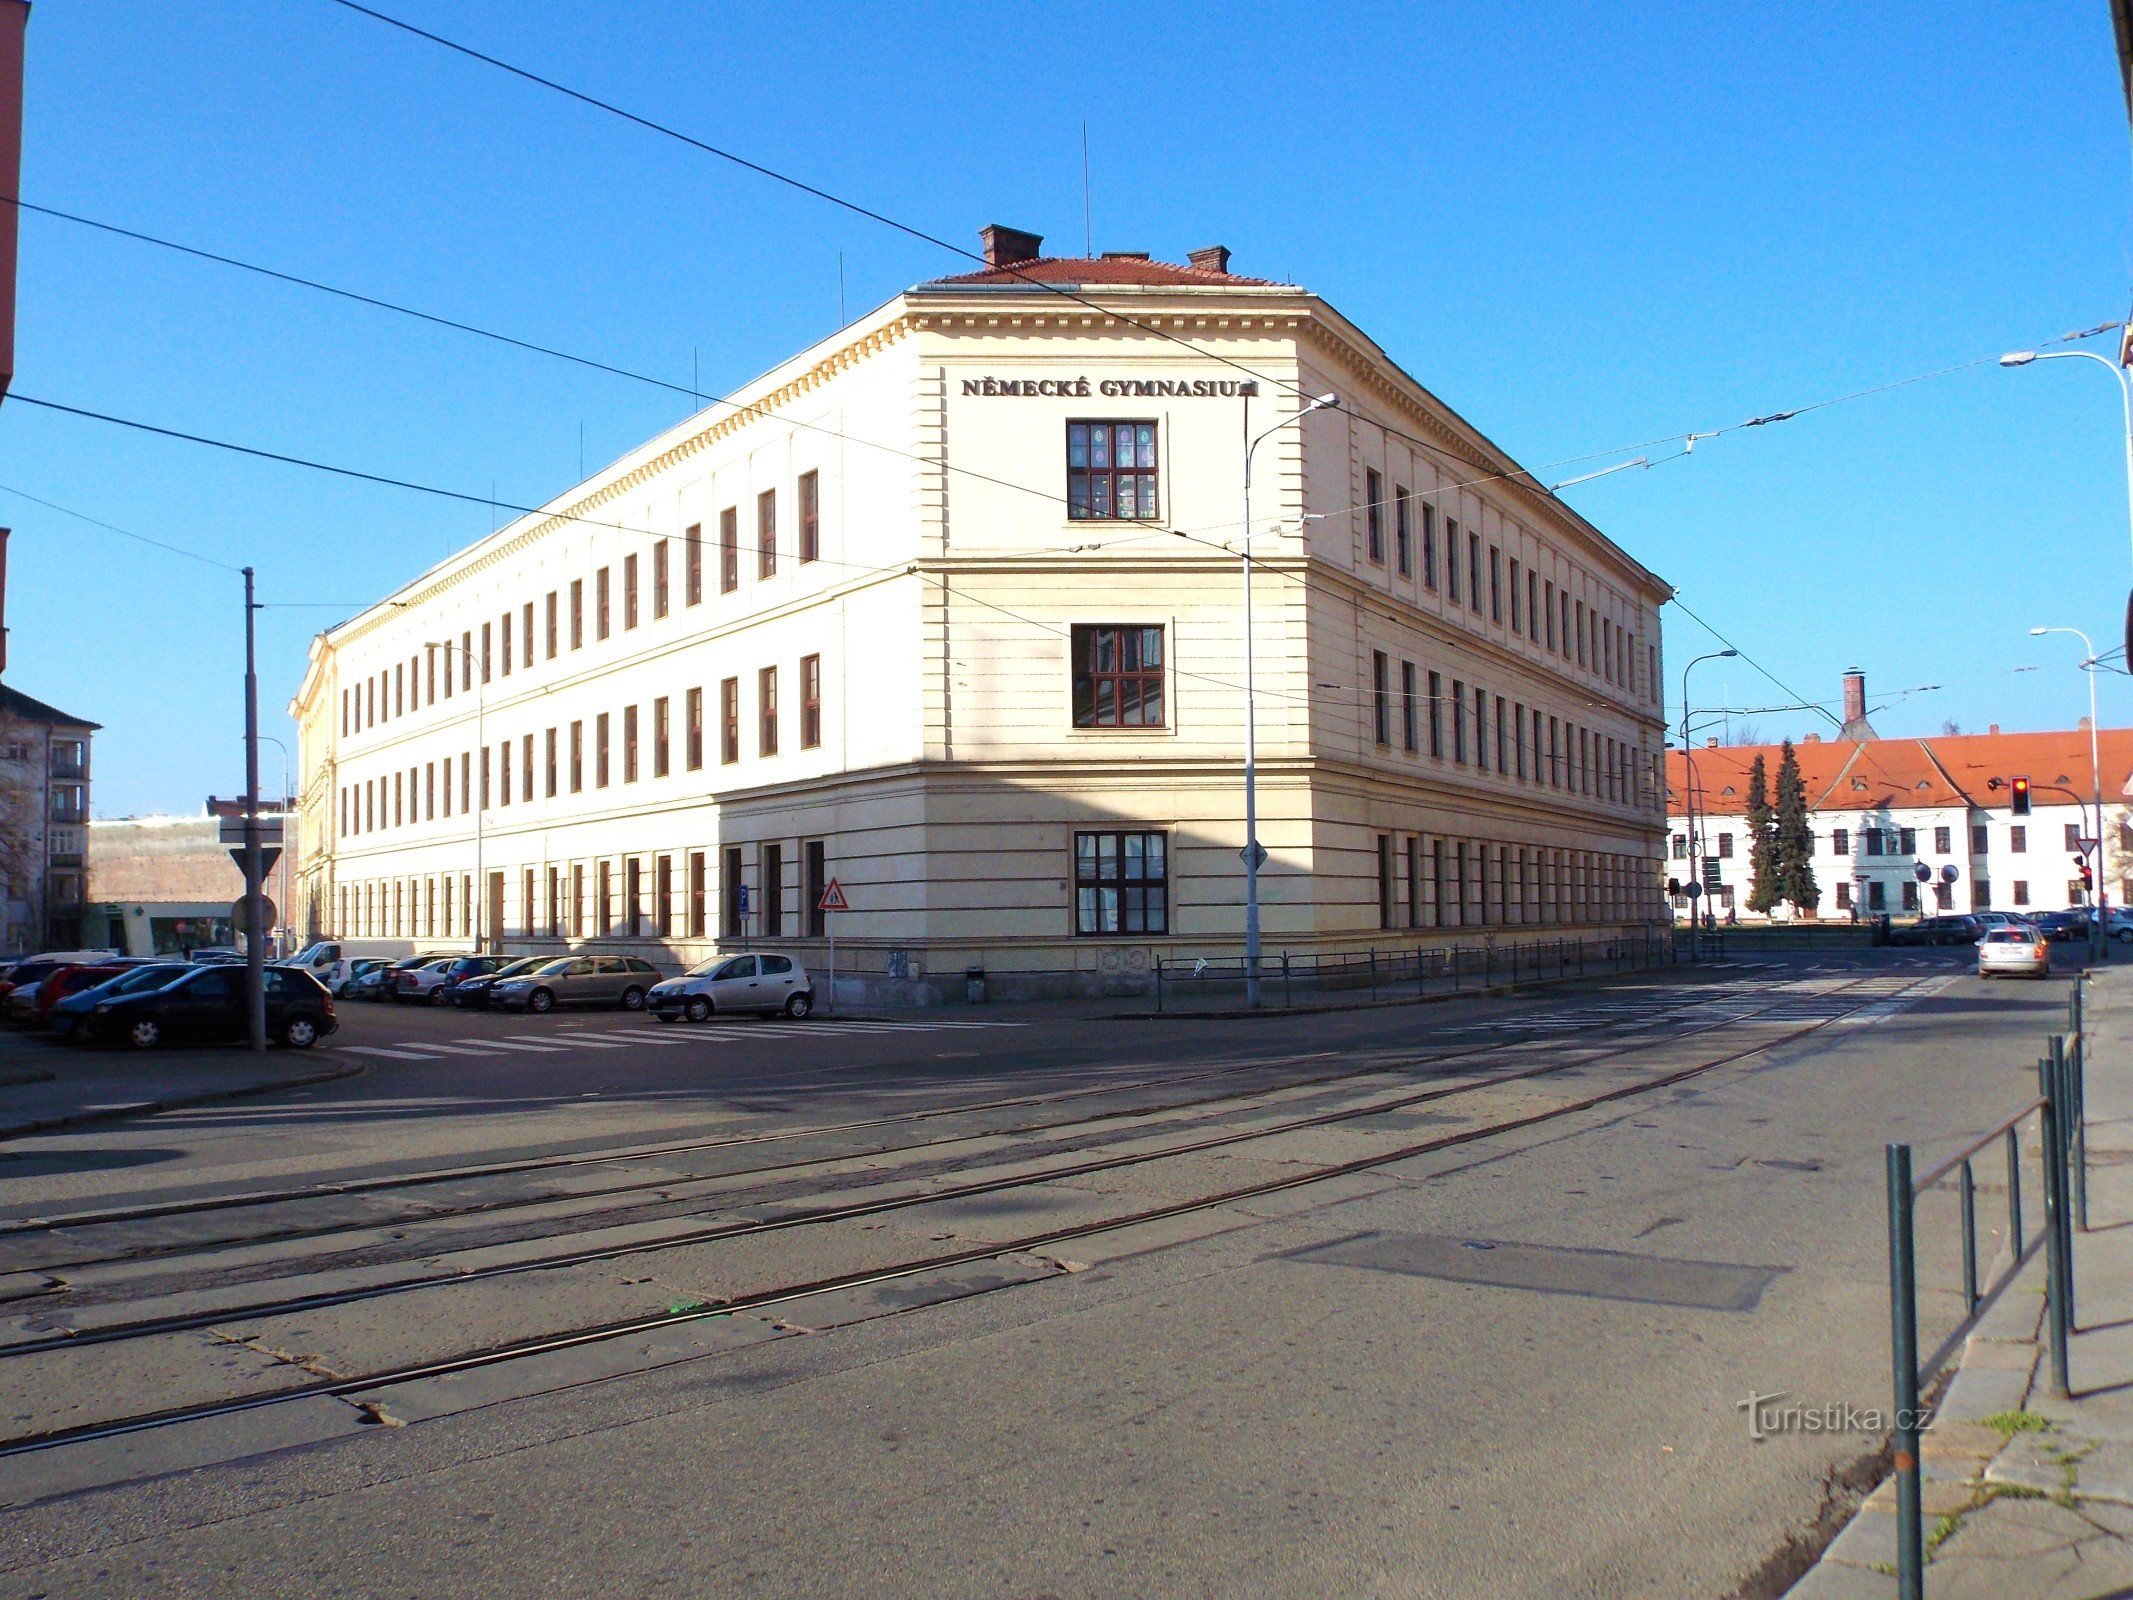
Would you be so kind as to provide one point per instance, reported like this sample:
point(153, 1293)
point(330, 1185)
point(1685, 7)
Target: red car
point(71, 980)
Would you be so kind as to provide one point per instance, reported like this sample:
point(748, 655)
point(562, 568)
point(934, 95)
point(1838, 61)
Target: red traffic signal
point(2020, 789)
point(2088, 876)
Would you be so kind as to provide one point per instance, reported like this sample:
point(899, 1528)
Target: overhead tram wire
point(1063, 291)
point(1432, 493)
point(112, 527)
point(1834, 719)
point(907, 567)
point(909, 230)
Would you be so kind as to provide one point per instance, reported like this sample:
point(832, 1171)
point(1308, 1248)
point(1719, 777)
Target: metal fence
point(2062, 1184)
point(1380, 975)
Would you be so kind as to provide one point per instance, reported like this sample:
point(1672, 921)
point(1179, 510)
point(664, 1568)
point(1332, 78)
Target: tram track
point(1035, 1242)
point(826, 1214)
point(86, 1222)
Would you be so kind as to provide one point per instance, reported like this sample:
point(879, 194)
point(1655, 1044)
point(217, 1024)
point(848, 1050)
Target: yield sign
point(268, 855)
point(833, 898)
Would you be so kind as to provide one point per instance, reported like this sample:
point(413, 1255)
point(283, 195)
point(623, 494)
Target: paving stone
point(1999, 1355)
point(1981, 1392)
point(1953, 1440)
point(1831, 1580)
point(1939, 1497)
point(1865, 1541)
point(2037, 1550)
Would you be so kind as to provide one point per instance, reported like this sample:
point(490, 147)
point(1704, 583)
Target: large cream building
point(948, 608)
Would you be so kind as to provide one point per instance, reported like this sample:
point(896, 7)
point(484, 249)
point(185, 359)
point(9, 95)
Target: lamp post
point(1688, 758)
point(2022, 358)
point(1253, 853)
point(481, 798)
point(2096, 938)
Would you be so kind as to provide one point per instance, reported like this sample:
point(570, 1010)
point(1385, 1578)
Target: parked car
point(36, 1003)
point(2118, 924)
point(765, 984)
point(1988, 920)
point(476, 970)
point(379, 982)
point(364, 972)
point(2014, 952)
point(2062, 925)
point(217, 954)
point(578, 981)
point(34, 969)
point(1957, 928)
point(412, 985)
point(326, 961)
point(206, 1006)
point(68, 1014)
point(472, 994)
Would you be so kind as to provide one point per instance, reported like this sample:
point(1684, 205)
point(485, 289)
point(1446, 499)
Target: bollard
point(1903, 1340)
point(1159, 985)
point(2063, 1102)
point(2078, 1081)
point(2055, 1285)
point(1969, 1198)
point(1373, 976)
point(2014, 1192)
point(1288, 989)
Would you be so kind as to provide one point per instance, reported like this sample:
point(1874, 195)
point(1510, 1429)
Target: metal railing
point(1380, 975)
point(2063, 1187)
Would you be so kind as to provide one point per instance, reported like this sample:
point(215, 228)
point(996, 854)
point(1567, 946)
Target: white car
point(2021, 952)
point(766, 984)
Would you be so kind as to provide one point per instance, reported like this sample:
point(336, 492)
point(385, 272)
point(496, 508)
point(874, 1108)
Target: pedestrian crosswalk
point(568, 1038)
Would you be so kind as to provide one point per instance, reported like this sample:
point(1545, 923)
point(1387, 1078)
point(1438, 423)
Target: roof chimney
point(1711, 743)
point(1856, 727)
point(1215, 258)
point(1995, 728)
point(1009, 247)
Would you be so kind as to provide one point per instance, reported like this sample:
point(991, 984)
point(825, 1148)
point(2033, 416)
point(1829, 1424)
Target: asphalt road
point(1509, 1365)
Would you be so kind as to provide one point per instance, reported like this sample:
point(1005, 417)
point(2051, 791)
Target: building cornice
point(678, 445)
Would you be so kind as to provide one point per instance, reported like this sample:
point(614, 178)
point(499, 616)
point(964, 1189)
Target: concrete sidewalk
point(2026, 1495)
point(46, 1087)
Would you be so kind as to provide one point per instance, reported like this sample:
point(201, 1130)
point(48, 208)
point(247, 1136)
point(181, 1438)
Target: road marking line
point(381, 1050)
point(461, 1049)
point(510, 1044)
point(574, 1038)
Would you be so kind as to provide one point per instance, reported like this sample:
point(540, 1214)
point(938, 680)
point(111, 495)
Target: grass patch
point(2009, 1423)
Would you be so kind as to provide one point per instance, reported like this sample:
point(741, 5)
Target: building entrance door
point(493, 924)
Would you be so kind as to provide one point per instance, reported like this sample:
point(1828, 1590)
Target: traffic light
point(2020, 787)
point(2088, 877)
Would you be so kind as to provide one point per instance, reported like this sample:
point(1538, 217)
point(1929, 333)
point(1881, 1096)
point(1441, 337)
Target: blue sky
point(1583, 227)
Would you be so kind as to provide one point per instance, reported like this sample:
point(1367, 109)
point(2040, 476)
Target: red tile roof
point(1950, 770)
point(1100, 270)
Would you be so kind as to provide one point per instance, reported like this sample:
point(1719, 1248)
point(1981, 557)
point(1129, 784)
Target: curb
point(142, 1108)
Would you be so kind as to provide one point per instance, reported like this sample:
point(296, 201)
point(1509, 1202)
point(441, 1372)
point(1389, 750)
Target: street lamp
point(481, 800)
point(1688, 759)
point(1253, 853)
point(2096, 940)
point(2022, 358)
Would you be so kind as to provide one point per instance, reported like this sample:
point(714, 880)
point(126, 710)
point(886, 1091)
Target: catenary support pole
point(255, 923)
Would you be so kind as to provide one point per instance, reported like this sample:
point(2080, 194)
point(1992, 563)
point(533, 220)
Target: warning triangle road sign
point(833, 898)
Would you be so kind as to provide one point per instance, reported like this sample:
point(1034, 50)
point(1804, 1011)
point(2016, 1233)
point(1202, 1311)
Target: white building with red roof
point(1882, 809)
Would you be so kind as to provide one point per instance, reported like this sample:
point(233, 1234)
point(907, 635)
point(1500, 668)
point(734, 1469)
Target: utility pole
point(255, 922)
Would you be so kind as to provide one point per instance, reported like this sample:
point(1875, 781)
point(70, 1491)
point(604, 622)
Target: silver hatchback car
point(766, 984)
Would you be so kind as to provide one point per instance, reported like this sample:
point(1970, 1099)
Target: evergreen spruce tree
point(1793, 847)
point(1762, 837)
